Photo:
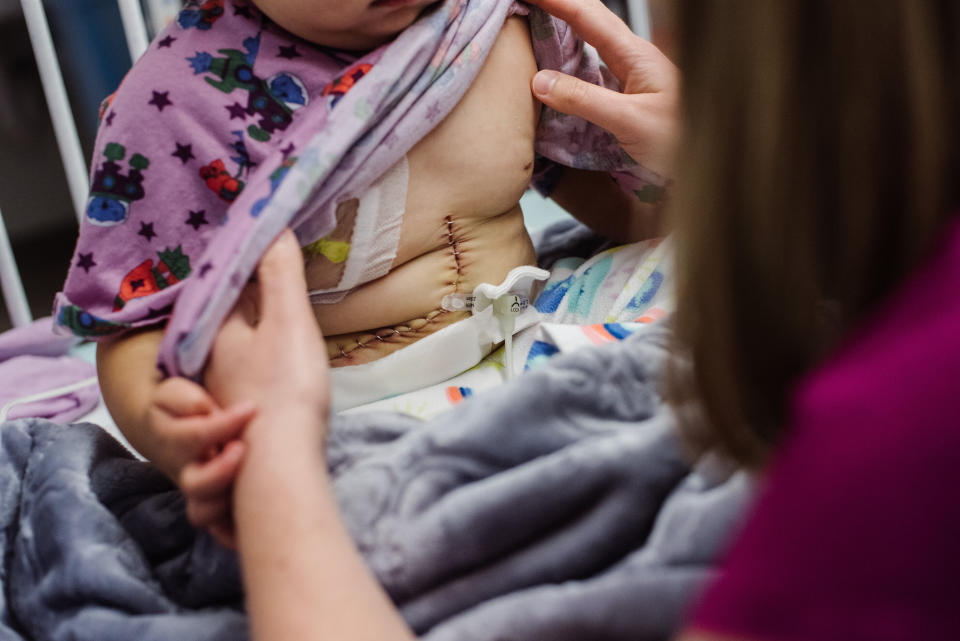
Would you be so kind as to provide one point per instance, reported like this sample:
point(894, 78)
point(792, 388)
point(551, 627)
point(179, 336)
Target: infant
point(227, 90)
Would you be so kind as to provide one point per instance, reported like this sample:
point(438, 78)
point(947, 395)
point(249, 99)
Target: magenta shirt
point(857, 532)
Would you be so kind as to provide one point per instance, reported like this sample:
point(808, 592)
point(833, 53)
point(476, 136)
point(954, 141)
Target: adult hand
point(644, 117)
point(195, 443)
point(274, 356)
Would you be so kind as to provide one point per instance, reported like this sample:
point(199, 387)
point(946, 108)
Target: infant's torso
point(462, 225)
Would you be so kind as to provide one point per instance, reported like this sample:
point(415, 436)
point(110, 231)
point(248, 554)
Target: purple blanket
point(39, 380)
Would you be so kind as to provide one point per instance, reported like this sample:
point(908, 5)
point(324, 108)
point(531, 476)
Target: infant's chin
point(393, 16)
point(386, 20)
point(394, 3)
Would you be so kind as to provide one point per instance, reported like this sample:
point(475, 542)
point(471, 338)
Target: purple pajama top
point(229, 129)
point(856, 536)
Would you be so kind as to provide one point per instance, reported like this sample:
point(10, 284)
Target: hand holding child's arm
point(304, 578)
point(177, 425)
point(197, 444)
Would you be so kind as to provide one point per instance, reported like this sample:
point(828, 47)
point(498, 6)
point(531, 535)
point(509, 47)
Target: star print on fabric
point(236, 111)
point(197, 219)
point(603, 143)
point(434, 111)
point(184, 153)
point(289, 52)
point(242, 10)
point(85, 262)
point(160, 100)
point(110, 117)
point(136, 284)
point(166, 42)
point(286, 151)
point(204, 268)
point(158, 313)
point(146, 230)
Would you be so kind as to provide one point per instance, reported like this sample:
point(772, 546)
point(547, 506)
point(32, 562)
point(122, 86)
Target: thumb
point(609, 109)
point(281, 279)
point(195, 436)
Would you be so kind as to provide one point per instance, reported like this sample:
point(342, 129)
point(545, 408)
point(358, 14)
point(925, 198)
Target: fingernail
point(235, 450)
point(543, 82)
point(244, 407)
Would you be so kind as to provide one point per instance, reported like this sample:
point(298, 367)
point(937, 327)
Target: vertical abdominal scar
point(417, 327)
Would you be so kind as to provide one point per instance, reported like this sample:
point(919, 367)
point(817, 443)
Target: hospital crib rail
point(65, 129)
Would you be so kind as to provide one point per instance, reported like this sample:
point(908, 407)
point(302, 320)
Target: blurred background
point(93, 54)
point(34, 197)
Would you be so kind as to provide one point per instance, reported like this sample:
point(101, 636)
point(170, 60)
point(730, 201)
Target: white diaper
point(449, 351)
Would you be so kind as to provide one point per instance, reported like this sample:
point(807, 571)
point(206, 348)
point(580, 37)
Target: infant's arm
point(127, 368)
point(596, 200)
point(171, 421)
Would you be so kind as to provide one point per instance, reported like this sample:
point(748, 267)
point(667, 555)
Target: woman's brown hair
point(817, 169)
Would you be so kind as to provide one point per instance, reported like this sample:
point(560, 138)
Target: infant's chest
point(477, 161)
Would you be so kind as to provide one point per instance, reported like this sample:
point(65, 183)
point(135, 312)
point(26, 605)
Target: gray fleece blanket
point(558, 507)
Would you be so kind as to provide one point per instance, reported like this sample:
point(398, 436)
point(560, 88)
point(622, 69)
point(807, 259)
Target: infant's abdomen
point(463, 225)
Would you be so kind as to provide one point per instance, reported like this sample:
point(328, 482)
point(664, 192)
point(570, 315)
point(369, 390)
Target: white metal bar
point(161, 12)
point(71, 153)
point(134, 27)
point(639, 17)
point(13, 292)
